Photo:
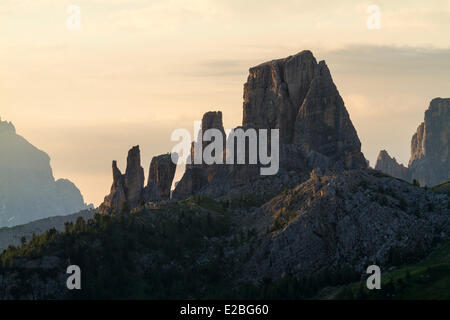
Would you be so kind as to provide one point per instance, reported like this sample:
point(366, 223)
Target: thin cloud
point(395, 60)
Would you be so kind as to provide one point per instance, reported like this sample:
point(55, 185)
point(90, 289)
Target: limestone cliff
point(354, 218)
point(199, 175)
point(161, 174)
point(297, 96)
point(430, 162)
point(134, 177)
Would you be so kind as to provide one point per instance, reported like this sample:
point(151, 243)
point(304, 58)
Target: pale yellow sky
point(138, 69)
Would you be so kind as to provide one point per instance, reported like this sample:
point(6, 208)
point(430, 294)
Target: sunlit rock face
point(28, 190)
point(128, 189)
point(430, 162)
point(161, 174)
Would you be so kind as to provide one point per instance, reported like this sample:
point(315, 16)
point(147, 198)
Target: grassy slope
point(443, 187)
point(428, 279)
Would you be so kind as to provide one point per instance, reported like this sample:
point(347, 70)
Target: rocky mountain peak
point(297, 95)
point(126, 187)
point(161, 174)
point(7, 127)
point(197, 176)
point(432, 136)
point(134, 176)
point(390, 166)
point(430, 161)
point(129, 187)
point(275, 91)
point(117, 175)
point(212, 120)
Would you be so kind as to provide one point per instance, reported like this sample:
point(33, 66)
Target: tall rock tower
point(129, 188)
point(297, 96)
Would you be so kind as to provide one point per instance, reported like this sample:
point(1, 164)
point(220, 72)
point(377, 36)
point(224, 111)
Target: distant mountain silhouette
point(28, 190)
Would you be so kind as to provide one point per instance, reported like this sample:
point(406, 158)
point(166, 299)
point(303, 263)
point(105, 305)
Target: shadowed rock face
point(28, 190)
point(193, 180)
point(199, 175)
point(210, 120)
point(161, 174)
point(297, 96)
point(117, 196)
point(275, 91)
point(323, 123)
point(134, 176)
point(126, 188)
point(213, 120)
point(429, 163)
point(390, 166)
